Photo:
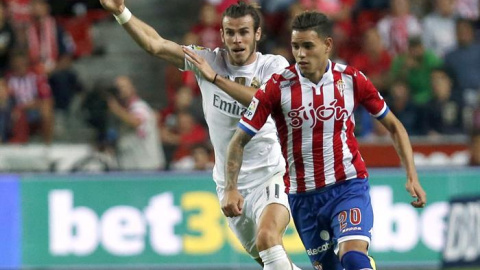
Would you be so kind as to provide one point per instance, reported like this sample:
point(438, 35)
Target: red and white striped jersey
point(29, 87)
point(315, 123)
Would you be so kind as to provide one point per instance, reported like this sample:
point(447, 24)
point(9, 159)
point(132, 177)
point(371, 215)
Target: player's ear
point(328, 45)
point(258, 34)
point(222, 35)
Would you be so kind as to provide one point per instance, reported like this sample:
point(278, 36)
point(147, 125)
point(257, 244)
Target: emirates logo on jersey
point(312, 115)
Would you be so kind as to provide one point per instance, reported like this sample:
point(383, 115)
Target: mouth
point(238, 51)
point(302, 64)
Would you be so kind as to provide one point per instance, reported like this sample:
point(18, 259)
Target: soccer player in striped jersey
point(228, 78)
point(312, 103)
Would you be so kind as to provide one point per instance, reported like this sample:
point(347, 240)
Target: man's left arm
point(375, 104)
point(404, 150)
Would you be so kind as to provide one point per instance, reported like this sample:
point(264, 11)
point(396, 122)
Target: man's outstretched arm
point(145, 35)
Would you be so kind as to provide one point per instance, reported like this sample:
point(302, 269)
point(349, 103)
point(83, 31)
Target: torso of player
point(322, 116)
point(316, 124)
point(262, 156)
point(319, 125)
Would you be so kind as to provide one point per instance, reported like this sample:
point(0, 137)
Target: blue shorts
point(334, 214)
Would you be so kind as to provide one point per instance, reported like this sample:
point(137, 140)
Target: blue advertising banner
point(10, 220)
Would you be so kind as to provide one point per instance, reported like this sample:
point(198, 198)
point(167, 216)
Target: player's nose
point(237, 38)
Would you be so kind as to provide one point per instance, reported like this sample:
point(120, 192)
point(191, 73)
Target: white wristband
point(124, 16)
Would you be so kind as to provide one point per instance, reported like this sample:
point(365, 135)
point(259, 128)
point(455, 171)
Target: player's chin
point(239, 61)
point(305, 71)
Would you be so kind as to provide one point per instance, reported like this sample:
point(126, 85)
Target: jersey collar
point(326, 79)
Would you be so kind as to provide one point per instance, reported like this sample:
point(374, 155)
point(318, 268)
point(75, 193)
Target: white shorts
point(255, 200)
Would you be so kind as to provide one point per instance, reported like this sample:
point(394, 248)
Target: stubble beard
point(253, 49)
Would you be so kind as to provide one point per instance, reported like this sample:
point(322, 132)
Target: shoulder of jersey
point(273, 59)
point(274, 56)
point(349, 70)
point(287, 77)
point(289, 73)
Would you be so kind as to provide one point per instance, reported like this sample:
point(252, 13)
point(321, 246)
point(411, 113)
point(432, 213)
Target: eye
point(295, 46)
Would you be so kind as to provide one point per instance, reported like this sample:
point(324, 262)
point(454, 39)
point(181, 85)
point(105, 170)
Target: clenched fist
point(114, 6)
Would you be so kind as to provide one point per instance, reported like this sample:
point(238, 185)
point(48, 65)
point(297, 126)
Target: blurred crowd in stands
point(422, 55)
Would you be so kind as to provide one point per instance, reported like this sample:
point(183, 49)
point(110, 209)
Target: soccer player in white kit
point(257, 206)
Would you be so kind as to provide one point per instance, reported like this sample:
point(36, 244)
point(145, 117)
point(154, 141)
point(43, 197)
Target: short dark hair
point(312, 20)
point(242, 9)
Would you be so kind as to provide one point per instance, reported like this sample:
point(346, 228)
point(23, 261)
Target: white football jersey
point(262, 155)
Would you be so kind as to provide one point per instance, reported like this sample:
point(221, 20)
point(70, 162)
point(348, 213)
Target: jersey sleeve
point(369, 96)
point(259, 109)
point(203, 52)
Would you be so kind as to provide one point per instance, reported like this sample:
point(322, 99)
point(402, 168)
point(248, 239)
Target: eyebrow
point(243, 28)
point(302, 43)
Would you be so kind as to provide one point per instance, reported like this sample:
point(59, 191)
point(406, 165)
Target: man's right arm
point(146, 36)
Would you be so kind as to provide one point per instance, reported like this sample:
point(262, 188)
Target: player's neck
point(317, 76)
point(251, 59)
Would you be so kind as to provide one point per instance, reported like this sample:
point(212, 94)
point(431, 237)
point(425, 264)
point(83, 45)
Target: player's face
point(240, 39)
point(311, 53)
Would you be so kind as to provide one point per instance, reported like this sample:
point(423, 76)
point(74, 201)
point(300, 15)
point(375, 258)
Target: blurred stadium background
point(66, 202)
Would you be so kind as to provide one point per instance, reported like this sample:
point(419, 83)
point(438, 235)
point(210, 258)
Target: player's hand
point(417, 192)
point(114, 6)
point(232, 203)
point(200, 63)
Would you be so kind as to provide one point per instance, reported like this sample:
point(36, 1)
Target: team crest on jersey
point(255, 83)
point(197, 47)
point(252, 108)
point(340, 87)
